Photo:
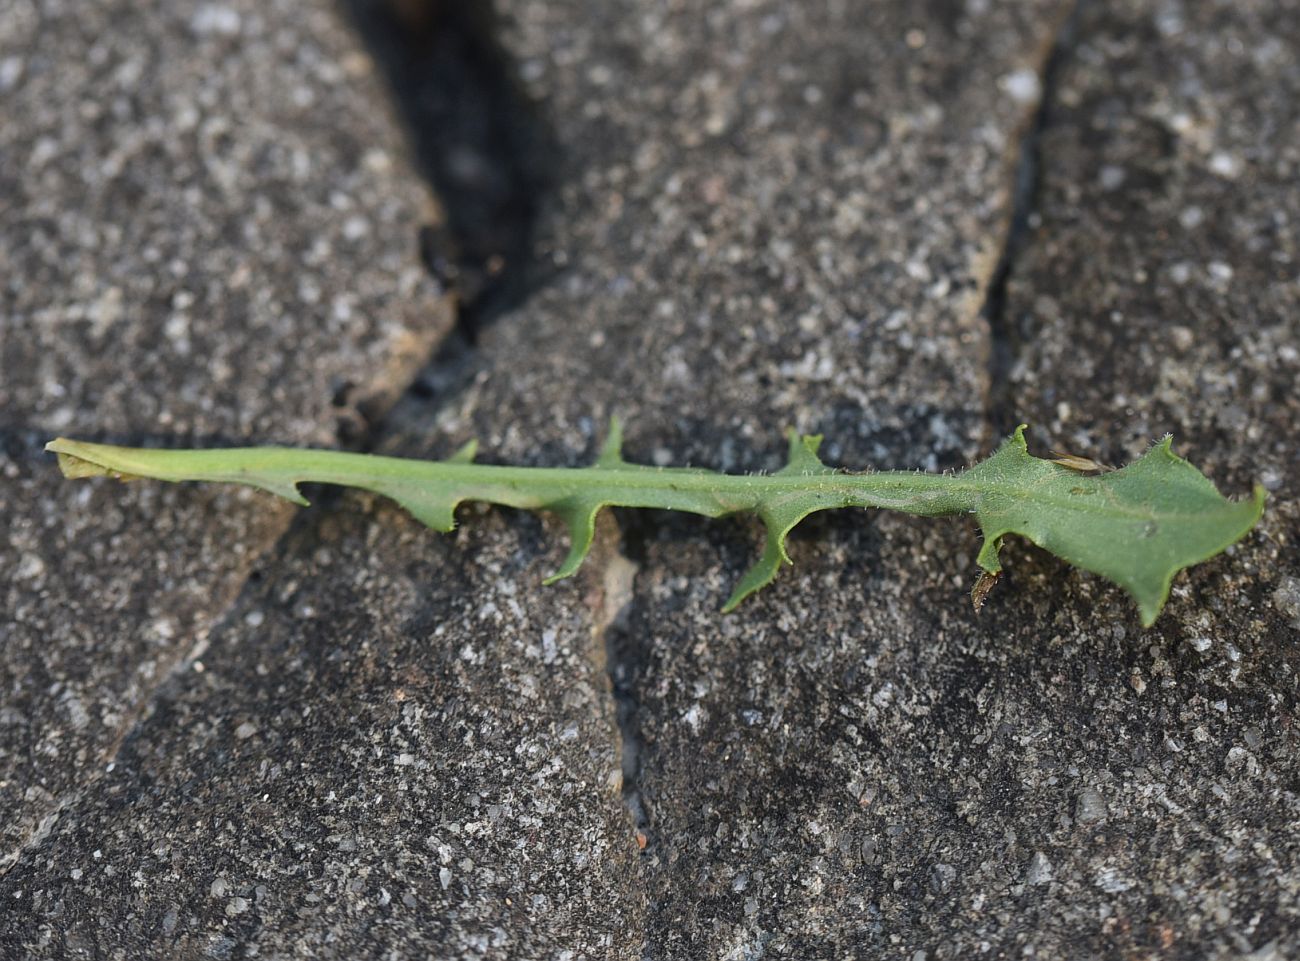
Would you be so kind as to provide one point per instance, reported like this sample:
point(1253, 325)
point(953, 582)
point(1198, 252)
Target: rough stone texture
point(390, 750)
point(852, 765)
point(1168, 243)
point(865, 770)
point(209, 221)
point(768, 214)
point(778, 213)
point(786, 237)
point(209, 235)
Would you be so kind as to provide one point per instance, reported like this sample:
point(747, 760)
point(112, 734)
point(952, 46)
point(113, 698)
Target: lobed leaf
point(1138, 526)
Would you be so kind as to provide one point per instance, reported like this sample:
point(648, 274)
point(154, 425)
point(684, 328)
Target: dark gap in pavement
point(475, 135)
point(485, 149)
point(626, 655)
point(491, 159)
point(1005, 338)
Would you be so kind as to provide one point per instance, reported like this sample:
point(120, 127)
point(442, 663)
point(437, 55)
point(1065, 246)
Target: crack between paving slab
point(487, 258)
point(482, 147)
point(488, 154)
point(1006, 344)
point(140, 709)
point(475, 137)
point(624, 654)
point(624, 647)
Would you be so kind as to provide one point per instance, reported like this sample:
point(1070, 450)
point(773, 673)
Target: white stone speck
point(884, 696)
point(1111, 177)
point(1226, 165)
point(1111, 881)
point(692, 717)
point(30, 567)
point(1039, 870)
point(377, 161)
point(213, 20)
point(1090, 807)
point(354, 228)
point(11, 70)
point(77, 713)
point(1023, 86)
point(1191, 217)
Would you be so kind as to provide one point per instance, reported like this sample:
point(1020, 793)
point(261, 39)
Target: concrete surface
point(209, 237)
point(400, 745)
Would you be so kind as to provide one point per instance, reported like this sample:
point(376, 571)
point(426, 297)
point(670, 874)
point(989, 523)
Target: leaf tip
point(580, 519)
point(1258, 496)
point(466, 454)
point(572, 562)
point(611, 452)
point(1149, 608)
point(292, 495)
point(77, 460)
point(803, 457)
point(70, 464)
point(987, 559)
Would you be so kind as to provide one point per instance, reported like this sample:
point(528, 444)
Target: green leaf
point(1138, 526)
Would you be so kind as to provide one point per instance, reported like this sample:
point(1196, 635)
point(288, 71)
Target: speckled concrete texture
point(863, 769)
point(397, 744)
point(209, 236)
point(209, 224)
point(768, 214)
point(395, 747)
